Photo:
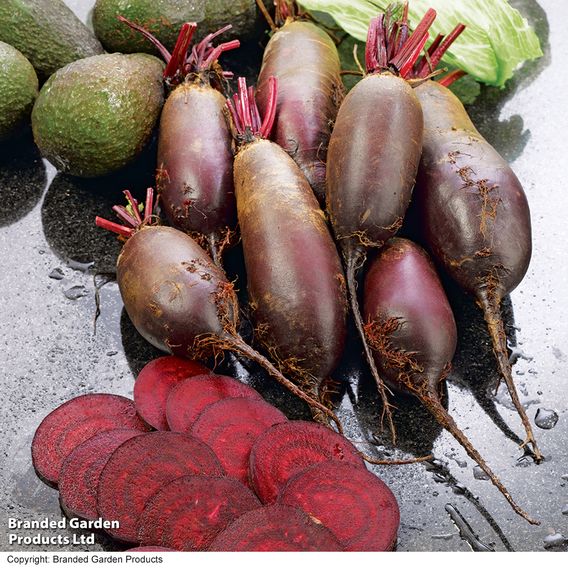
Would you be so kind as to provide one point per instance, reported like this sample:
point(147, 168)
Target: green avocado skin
point(164, 18)
point(95, 115)
point(47, 32)
point(18, 90)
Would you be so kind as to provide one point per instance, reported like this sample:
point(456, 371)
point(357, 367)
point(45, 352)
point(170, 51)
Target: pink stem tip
point(131, 217)
point(390, 46)
point(245, 114)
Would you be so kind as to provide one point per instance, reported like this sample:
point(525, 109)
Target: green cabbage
point(496, 41)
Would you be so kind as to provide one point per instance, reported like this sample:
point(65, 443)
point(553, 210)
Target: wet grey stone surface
point(55, 262)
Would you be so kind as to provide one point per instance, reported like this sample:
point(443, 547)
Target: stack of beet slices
point(200, 461)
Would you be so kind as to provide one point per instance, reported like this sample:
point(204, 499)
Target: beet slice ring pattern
point(288, 448)
point(355, 505)
point(75, 421)
point(81, 471)
point(190, 397)
point(276, 528)
point(231, 426)
point(155, 382)
point(143, 465)
point(189, 512)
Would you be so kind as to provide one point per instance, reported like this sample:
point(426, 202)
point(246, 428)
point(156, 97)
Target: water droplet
point(565, 510)
point(479, 474)
point(56, 274)
point(442, 536)
point(553, 540)
point(545, 418)
point(75, 292)
point(80, 266)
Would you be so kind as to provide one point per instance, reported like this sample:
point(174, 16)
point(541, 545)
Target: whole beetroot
point(309, 94)
point(177, 298)
point(412, 332)
point(473, 212)
point(195, 158)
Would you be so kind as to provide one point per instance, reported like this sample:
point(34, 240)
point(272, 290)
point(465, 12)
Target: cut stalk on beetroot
point(188, 513)
point(189, 398)
point(155, 382)
point(75, 421)
point(177, 298)
point(355, 505)
point(230, 428)
point(295, 279)
point(473, 211)
point(413, 334)
point(143, 465)
point(277, 528)
point(288, 448)
point(195, 160)
point(82, 469)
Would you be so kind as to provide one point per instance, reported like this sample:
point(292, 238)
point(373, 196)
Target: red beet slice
point(286, 449)
point(75, 421)
point(355, 505)
point(155, 382)
point(150, 549)
point(188, 399)
point(81, 471)
point(231, 426)
point(143, 465)
point(277, 528)
point(190, 511)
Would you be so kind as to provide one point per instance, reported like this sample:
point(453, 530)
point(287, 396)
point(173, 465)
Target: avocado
point(163, 19)
point(47, 32)
point(96, 114)
point(18, 90)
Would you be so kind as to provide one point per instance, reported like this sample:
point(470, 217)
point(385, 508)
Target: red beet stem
point(175, 67)
point(154, 41)
point(389, 45)
point(133, 219)
point(428, 63)
point(114, 227)
point(245, 114)
point(452, 77)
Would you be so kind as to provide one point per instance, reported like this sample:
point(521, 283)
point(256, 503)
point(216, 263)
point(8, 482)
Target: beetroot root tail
point(353, 258)
point(492, 314)
point(239, 346)
point(433, 404)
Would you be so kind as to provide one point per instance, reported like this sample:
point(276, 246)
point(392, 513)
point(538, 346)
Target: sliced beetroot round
point(189, 398)
point(155, 382)
point(75, 421)
point(189, 512)
point(355, 505)
point(231, 426)
point(143, 465)
point(150, 549)
point(288, 448)
point(276, 528)
point(81, 471)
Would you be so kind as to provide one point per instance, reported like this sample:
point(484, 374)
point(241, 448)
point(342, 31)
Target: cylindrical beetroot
point(475, 217)
point(295, 279)
point(304, 60)
point(177, 298)
point(474, 213)
point(374, 152)
point(412, 332)
point(195, 158)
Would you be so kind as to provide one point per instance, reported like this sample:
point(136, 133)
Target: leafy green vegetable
point(496, 41)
